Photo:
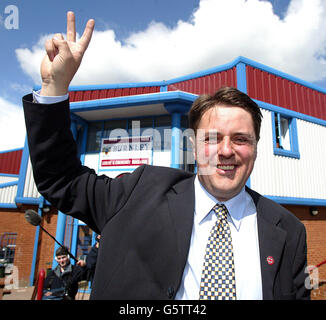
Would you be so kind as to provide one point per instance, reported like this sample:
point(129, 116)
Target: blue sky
point(37, 17)
point(147, 40)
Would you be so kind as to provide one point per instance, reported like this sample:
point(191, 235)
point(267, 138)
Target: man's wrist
point(52, 90)
point(39, 98)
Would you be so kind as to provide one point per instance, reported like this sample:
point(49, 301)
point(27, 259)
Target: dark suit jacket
point(145, 219)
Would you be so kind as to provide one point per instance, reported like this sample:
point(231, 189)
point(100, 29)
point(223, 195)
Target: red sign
point(124, 162)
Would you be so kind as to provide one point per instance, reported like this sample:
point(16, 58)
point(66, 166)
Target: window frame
point(104, 132)
point(293, 152)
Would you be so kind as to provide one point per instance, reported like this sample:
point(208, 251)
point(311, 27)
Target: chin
point(224, 193)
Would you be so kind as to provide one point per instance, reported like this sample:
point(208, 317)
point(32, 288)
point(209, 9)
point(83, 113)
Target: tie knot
point(221, 211)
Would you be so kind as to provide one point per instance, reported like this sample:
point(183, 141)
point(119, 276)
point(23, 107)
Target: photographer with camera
point(62, 282)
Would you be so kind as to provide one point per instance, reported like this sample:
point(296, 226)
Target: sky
point(154, 40)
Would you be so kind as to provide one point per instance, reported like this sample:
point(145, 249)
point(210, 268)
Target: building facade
point(119, 127)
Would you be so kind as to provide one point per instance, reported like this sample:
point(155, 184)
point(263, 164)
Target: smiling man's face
point(63, 260)
point(225, 150)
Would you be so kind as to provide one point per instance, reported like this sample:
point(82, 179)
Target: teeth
point(226, 167)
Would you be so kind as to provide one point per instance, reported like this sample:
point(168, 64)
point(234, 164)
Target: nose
point(225, 148)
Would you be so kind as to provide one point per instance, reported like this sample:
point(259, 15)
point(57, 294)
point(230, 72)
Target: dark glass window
point(162, 138)
point(139, 126)
point(7, 247)
point(94, 137)
point(157, 127)
point(115, 128)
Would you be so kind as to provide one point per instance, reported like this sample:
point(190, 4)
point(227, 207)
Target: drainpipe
point(36, 238)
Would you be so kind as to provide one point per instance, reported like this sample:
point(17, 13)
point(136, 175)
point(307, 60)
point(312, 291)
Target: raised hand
point(63, 58)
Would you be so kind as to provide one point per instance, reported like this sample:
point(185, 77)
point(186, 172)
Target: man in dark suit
point(155, 222)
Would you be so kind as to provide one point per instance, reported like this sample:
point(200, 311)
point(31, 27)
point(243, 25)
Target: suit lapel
point(271, 241)
point(181, 201)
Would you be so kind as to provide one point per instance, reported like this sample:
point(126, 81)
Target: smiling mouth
point(226, 167)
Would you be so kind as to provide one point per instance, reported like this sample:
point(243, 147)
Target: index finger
point(87, 35)
point(71, 26)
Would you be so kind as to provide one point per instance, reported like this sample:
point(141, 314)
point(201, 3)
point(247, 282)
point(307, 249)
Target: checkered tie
point(218, 276)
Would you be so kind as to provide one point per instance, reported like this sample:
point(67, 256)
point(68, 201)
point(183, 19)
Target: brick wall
point(316, 243)
point(14, 221)
point(46, 243)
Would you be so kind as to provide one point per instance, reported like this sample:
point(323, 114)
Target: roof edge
point(224, 67)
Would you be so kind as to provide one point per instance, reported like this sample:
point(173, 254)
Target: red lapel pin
point(270, 260)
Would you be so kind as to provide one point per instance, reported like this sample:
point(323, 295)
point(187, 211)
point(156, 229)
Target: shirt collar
point(204, 203)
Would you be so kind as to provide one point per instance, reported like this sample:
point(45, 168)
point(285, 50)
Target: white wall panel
point(30, 190)
point(288, 177)
point(8, 194)
point(6, 179)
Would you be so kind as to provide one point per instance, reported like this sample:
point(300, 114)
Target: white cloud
point(20, 88)
point(30, 59)
point(216, 33)
point(12, 126)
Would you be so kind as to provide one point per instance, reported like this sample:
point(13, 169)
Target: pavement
point(19, 294)
point(26, 293)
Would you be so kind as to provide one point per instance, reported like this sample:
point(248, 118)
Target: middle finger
point(71, 26)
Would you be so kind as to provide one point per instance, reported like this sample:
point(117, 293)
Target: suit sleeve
point(299, 268)
point(58, 173)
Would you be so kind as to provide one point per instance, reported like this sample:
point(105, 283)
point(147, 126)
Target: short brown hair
point(227, 96)
point(61, 251)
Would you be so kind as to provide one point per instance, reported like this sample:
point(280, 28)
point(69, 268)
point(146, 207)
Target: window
point(7, 247)
point(285, 138)
point(159, 127)
point(68, 231)
point(94, 137)
point(115, 128)
point(84, 240)
point(140, 127)
point(162, 140)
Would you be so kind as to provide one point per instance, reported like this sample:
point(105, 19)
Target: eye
point(242, 140)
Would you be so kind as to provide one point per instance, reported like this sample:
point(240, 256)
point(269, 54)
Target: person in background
point(62, 282)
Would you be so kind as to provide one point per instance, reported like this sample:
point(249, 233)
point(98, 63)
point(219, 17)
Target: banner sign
point(125, 152)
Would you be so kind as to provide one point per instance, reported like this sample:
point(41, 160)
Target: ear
point(255, 150)
point(56, 259)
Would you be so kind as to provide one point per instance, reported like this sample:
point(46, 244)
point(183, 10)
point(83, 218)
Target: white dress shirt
point(48, 99)
point(242, 219)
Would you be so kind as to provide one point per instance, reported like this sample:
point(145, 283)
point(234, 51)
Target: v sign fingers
point(63, 58)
